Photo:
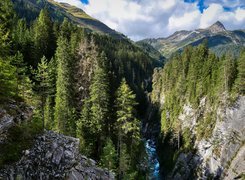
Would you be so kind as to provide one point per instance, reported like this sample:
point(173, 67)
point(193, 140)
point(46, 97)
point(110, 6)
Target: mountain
point(155, 54)
point(30, 9)
point(220, 40)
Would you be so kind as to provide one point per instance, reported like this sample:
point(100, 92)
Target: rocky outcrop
point(55, 156)
point(13, 112)
point(220, 156)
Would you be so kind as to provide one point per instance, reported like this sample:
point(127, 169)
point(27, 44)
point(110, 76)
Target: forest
point(80, 83)
point(192, 79)
point(110, 92)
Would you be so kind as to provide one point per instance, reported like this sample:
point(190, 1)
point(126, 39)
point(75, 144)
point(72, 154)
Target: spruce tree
point(94, 121)
point(240, 81)
point(229, 72)
point(20, 73)
point(42, 36)
point(42, 78)
point(128, 126)
point(6, 23)
point(124, 163)
point(127, 122)
point(7, 78)
point(63, 101)
point(83, 128)
point(50, 99)
point(108, 157)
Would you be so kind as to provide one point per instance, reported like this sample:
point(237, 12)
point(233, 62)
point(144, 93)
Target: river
point(153, 163)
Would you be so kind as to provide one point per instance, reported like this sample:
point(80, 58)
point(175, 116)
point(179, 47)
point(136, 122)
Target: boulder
point(55, 156)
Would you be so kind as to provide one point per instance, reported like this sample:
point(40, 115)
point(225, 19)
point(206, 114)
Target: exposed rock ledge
point(13, 112)
point(55, 156)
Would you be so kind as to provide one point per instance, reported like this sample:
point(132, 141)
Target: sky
point(140, 19)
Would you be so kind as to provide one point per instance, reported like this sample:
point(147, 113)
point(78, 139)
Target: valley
point(79, 100)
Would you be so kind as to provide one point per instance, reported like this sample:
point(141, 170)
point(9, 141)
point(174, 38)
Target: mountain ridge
point(58, 11)
point(219, 40)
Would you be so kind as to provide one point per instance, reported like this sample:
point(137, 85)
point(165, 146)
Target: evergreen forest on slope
point(95, 86)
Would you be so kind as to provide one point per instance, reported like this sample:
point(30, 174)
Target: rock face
point(217, 27)
point(17, 113)
point(222, 155)
point(55, 156)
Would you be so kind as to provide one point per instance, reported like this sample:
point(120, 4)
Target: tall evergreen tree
point(20, 72)
point(63, 101)
point(127, 123)
point(108, 157)
point(6, 23)
point(50, 99)
point(240, 81)
point(43, 36)
point(42, 78)
point(7, 78)
point(94, 121)
point(229, 72)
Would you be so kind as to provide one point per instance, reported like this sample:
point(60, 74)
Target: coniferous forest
point(105, 90)
point(81, 84)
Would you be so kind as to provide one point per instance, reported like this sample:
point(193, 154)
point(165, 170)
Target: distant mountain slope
point(155, 54)
point(31, 8)
point(219, 39)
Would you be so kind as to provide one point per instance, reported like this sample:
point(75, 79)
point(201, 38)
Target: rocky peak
point(55, 156)
point(217, 27)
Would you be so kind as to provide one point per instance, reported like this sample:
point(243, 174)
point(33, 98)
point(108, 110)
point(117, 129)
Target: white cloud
point(226, 3)
point(140, 19)
point(187, 21)
point(231, 20)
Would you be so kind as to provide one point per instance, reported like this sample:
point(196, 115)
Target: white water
point(153, 162)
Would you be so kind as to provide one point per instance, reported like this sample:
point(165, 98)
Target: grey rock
point(55, 156)
point(58, 153)
point(221, 156)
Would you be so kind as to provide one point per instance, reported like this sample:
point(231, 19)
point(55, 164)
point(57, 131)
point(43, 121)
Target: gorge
point(79, 100)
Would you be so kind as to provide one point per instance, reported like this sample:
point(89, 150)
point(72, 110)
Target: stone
point(55, 156)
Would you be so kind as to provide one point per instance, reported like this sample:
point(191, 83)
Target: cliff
point(222, 154)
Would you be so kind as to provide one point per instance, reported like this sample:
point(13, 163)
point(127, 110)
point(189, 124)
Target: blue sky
point(84, 1)
point(139, 19)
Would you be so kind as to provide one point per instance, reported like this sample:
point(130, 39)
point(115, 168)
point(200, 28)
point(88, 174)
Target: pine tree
point(108, 157)
point(63, 101)
point(83, 127)
point(7, 78)
point(240, 81)
point(124, 163)
point(126, 113)
point(42, 36)
point(127, 123)
point(6, 23)
point(99, 97)
point(21, 36)
point(94, 121)
point(66, 29)
point(20, 73)
point(42, 78)
point(50, 99)
point(229, 72)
